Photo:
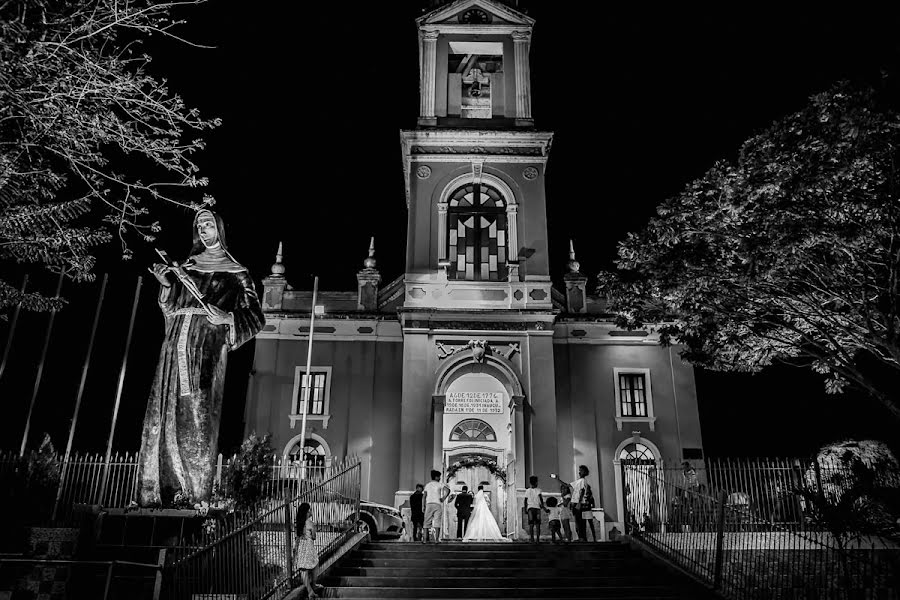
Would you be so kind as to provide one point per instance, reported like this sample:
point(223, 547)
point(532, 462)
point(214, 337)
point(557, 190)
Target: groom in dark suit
point(463, 504)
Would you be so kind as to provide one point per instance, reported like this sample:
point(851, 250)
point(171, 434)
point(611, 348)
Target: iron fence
point(250, 554)
point(736, 548)
point(90, 479)
point(767, 487)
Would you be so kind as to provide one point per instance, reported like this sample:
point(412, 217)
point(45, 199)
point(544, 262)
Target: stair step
point(482, 571)
point(504, 548)
point(469, 593)
point(378, 561)
point(466, 546)
point(547, 581)
point(543, 571)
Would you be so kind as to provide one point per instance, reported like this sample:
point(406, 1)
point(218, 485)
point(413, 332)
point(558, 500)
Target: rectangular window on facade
point(316, 405)
point(632, 394)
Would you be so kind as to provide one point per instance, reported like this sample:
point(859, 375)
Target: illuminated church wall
point(363, 407)
point(586, 401)
point(574, 390)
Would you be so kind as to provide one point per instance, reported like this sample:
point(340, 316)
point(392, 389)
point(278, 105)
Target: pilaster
point(427, 83)
point(437, 416)
point(517, 418)
point(522, 48)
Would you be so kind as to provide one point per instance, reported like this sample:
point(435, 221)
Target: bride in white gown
point(482, 525)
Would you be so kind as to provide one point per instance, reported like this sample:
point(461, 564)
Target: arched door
point(643, 494)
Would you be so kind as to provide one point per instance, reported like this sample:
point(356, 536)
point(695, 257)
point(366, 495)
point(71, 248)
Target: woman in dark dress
point(181, 425)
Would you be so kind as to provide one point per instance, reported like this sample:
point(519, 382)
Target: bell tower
point(477, 265)
point(474, 66)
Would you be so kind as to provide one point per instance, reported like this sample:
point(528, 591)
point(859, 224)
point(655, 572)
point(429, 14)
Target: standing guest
point(565, 512)
point(534, 504)
point(463, 504)
point(306, 557)
point(577, 500)
point(587, 510)
point(554, 517)
point(435, 493)
point(417, 512)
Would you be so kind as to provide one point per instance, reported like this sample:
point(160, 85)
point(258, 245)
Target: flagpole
point(309, 380)
point(12, 329)
point(40, 372)
point(84, 369)
point(119, 386)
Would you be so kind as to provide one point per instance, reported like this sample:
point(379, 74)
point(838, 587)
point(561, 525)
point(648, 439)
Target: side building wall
point(589, 433)
point(363, 402)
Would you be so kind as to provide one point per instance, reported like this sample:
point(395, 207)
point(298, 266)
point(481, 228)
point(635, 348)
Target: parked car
point(333, 511)
point(379, 520)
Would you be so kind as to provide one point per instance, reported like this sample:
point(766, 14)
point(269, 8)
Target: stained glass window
point(473, 430)
point(476, 219)
point(633, 397)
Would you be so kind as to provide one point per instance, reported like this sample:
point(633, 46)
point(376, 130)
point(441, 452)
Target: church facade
point(471, 362)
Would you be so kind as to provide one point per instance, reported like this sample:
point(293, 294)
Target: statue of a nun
point(181, 426)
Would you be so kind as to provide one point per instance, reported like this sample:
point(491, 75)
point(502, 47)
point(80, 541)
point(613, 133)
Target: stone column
point(442, 231)
point(429, 71)
point(522, 45)
point(437, 415)
point(517, 418)
point(512, 241)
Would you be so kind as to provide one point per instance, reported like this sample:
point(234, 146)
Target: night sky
point(313, 96)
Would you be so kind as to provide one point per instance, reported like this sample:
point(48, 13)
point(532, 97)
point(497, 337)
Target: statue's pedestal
point(145, 527)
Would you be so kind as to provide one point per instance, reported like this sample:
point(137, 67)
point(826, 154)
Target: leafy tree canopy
point(89, 139)
point(789, 254)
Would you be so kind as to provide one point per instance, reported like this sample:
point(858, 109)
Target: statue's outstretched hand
point(217, 316)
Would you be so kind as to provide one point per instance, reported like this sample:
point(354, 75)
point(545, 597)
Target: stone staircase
point(472, 571)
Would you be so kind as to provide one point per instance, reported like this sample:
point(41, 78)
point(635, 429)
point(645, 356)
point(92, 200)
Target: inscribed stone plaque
point(483, 403)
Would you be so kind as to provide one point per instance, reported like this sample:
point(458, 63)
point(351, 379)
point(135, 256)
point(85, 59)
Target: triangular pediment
point(455, 13)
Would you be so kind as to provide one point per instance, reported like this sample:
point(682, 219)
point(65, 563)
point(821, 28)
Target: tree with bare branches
point(89, 139)
point(790, 254)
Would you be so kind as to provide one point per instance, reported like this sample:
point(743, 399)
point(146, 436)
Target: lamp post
point(305, 406)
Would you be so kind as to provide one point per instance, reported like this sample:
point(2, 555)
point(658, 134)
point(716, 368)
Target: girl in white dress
point(482, 525)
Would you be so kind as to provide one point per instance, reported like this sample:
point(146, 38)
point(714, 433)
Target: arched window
point(476, 233)
point(637, 454)
point(313, 452)
point(473, 430)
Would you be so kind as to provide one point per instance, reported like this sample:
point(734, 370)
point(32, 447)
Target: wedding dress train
point(482, 525)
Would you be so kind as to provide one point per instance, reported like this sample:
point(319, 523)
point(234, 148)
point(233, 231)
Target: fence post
point(720, 542)
point(288, 547)
point(158, 583)
point(109, 574)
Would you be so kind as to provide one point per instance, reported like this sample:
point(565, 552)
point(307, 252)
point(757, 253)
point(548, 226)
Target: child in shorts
point(534, 504)
point(565, 512)
point(553, 515)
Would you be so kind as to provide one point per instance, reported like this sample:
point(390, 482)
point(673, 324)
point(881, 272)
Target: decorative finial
point(278, 268)
point(369, 263)
point(574, 265)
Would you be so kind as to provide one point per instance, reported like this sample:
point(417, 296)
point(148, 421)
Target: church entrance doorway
point(476, 446)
